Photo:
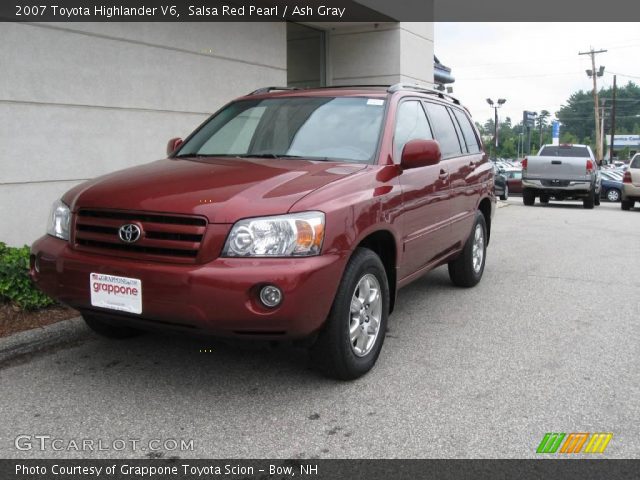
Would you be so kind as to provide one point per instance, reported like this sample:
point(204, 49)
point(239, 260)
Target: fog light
point(270, 296)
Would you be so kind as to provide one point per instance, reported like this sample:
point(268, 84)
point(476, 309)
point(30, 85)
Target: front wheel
point(467, 269)
point(351, 339)
point(505, 195)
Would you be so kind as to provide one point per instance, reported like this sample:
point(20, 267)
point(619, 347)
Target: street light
point(495, 107)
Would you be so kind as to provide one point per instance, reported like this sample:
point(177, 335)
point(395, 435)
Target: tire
point(466, 270)
point(626, 204)
point(613, 195)
point(596, 199)
point(528, 197)
point(505, 195)
point(544, 199)
point(589, 201)
point(108, 330)
point(334, 352)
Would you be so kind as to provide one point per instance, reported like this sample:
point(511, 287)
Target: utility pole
point(613, 121)
point(593, 74)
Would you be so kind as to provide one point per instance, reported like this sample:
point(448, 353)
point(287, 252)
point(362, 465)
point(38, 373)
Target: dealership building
point(78, 100)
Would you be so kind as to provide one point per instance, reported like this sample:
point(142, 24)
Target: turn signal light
point(627, 177)
point(524, 164)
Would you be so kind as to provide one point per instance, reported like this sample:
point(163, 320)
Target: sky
point(534, 66)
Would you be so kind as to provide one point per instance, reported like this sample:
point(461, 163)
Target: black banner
point(317, 11)
point(216, 11)
point(318, 469)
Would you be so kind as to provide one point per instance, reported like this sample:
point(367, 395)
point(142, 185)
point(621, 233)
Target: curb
point(23, 345)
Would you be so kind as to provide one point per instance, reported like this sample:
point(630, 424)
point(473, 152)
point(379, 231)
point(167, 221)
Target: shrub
point(15, 284)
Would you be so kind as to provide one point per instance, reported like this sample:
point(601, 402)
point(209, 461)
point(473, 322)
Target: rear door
point(425, 210)
point(461, 166)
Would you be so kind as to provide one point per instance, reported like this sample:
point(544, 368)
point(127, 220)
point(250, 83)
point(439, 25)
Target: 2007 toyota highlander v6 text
point(288, 214)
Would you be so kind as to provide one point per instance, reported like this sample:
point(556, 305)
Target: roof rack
point(271, 89)
point(422, 89)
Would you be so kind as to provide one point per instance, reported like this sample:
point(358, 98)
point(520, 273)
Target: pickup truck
point(562, 172)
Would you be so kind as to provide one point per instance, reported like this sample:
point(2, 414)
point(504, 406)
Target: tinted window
point(635, 163)
point(467, 131)
point(411, 123)
point(445, 132)
point(309, 127)
point(564, 151)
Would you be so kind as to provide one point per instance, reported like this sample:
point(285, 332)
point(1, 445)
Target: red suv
point(289, 214)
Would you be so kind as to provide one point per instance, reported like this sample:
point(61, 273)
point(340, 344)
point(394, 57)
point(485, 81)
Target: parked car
point(631, 184)
point(611, 188)
point(561, 172)
point(514, 179)
point(500, 186)
point(288, 214)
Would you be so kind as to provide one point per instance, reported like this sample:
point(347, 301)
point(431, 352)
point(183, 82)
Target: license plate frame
point(113, 292)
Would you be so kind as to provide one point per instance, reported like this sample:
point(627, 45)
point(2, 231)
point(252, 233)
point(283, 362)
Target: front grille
point(163, 237)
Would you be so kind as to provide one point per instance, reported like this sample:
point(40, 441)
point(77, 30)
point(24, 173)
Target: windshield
point(316, 128)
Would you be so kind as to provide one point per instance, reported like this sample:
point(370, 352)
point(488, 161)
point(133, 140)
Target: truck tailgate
point(557, 168)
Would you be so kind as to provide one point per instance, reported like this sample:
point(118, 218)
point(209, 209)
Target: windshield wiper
point(267, 155)
point(284, 155)
point(201, 155)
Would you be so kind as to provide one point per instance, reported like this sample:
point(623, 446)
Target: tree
point(577, 115)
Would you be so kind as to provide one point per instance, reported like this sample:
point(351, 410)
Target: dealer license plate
point(117, 293)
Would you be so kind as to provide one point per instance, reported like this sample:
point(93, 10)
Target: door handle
point(443, 174)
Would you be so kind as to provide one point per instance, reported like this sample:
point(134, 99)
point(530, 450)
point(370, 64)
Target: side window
point(467, 131)
point(444, 130)
point(411, 123)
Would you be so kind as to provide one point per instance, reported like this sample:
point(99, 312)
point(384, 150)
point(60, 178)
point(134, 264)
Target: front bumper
point(219, 297)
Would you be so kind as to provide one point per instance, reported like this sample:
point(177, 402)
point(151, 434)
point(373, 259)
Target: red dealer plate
point(116, 293)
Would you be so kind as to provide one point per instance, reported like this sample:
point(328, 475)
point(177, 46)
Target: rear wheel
point(467, 269)
point(613, 195)
point(108, 330)
point(351, 339)
point(528, 197)
point(588, 201)
point(626, 204)
point(596, 198)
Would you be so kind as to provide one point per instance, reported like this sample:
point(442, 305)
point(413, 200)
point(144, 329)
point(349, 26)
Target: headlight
point(59, 220)
point(297, 234)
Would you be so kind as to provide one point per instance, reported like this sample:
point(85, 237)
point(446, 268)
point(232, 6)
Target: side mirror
point(420, 153)
point(173, 144)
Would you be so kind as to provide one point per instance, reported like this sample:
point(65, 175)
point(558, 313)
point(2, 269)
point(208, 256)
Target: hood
point(221, 189)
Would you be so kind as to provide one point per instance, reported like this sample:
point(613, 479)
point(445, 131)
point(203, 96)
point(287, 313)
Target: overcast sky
point(534, 66)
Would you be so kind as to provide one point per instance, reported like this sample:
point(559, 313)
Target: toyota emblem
point(129, 233)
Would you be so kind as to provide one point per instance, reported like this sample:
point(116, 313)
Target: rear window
point(565, 151)
point(635, 163)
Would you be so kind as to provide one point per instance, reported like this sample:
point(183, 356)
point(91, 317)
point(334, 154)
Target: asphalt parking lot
point(547, 342)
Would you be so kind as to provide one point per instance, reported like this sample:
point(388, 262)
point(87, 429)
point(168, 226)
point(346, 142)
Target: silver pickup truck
point(561, 172)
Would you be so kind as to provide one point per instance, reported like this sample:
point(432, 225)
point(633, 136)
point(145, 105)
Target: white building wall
point(80, 100)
